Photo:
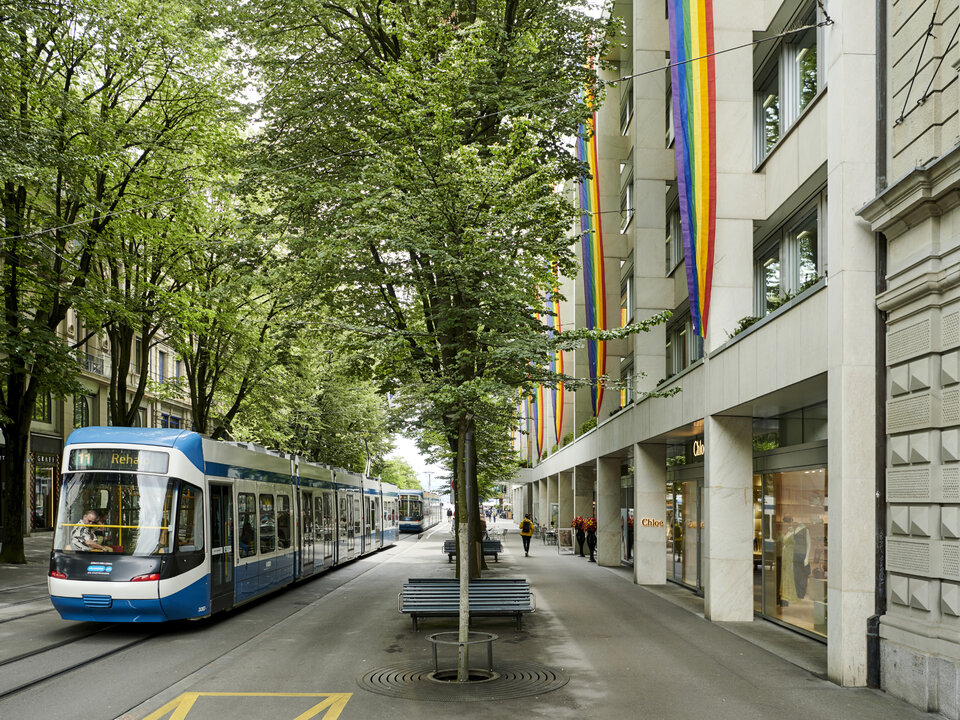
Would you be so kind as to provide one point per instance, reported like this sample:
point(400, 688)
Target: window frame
point(782, 65)
point(785, 241)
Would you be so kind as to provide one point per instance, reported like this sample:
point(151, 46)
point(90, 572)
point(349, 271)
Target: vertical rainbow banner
point(536, 405)
point(591, 247)
point(695, 133)
point(556, 366)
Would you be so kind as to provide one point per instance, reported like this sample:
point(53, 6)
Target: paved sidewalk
point(627, 651)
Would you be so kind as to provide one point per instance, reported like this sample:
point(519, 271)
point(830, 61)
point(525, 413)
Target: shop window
point(789, 80)
point(790, 553)
point(170, 421)
point(247, 520)
point(790, 260)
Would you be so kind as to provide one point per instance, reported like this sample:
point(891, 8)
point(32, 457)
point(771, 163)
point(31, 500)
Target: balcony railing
point(92, 364)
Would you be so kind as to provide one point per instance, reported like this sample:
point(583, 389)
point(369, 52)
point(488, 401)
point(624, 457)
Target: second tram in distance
point(419, 510)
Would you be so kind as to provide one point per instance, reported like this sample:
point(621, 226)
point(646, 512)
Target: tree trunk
point(463, 554)
point(13, 473)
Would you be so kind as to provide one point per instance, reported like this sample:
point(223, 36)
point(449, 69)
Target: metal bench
point(440, 597)
point(490, 547)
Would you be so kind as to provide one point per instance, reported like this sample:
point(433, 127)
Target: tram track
point(35, 656)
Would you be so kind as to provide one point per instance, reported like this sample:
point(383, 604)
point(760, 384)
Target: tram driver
point(83, 537)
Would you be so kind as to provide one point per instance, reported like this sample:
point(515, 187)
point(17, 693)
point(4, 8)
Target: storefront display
point(790, 579)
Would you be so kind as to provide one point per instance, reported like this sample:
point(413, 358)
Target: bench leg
point(414, 618)
point(449, 557)
point(519, 618)
point(495, 558)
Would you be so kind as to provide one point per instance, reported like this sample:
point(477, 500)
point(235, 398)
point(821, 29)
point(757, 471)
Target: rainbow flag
point(695, 133)
point(536, 415)
point(591, 248)
point(556, 365)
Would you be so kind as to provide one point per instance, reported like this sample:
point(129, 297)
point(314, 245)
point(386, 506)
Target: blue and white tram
point(419, 510)
point(158, 525)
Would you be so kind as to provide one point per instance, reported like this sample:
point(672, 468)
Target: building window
point(791, 259)
point(176, 368)
point(684, 346)
point(43, 408)
point(787, 82)
point(169, 421)
point(81, 411)
point(141, 418)
point(674, 240)
point(626, 291)
point(626, 381)
point(626, 104)
point(161, 366)
point(626, 193)
point(668, 96)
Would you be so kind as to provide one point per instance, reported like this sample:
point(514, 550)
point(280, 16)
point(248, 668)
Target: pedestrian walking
point(526, 532)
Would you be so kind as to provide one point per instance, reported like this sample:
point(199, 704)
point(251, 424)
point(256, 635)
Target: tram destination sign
point(119, 459)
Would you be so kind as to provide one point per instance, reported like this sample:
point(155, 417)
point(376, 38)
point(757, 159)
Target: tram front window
point(134, 513)
point(411, 509)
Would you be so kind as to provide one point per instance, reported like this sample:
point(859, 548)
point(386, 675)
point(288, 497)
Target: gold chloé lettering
point(651, 522)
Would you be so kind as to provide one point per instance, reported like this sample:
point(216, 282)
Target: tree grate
point(415, 681)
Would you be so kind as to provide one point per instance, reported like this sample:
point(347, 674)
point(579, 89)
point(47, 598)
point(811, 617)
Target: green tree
point(430, 139)
point(92, 95)
point(401, 474)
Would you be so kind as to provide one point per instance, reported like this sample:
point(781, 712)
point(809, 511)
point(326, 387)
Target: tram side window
point(283, 521)
point(190, 519)
point(247, 518)
point(268, 524)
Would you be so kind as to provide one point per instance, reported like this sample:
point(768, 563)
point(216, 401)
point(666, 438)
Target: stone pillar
point(543, 508)
point(583, 491)
point(552, 495)
point(608, 511)
point(650, 513)
point(851, 338)
point(565, 495)
point(727, 534)
point(534, 500)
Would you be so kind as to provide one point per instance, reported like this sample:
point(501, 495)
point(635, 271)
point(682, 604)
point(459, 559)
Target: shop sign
point(699, 448)
point(651, 522)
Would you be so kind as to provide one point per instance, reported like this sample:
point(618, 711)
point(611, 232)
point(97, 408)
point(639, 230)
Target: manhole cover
point(414, 681)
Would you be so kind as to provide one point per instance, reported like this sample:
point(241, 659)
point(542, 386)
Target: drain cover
point(415, 681)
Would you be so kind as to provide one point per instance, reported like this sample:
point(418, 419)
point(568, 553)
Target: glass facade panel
point(791, 582)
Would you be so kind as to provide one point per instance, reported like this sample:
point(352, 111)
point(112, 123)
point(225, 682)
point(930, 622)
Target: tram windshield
point(124, 513)
point(411, 508)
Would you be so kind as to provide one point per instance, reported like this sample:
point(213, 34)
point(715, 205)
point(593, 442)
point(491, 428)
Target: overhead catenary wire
point(505, 111)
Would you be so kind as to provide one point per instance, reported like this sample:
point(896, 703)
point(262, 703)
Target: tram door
point(307, 532)
point(327, 520)
point(345, 535)
point(221, 547)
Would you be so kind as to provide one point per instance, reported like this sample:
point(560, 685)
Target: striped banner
point(556, 366)
point(591, 246)
point(695, 132)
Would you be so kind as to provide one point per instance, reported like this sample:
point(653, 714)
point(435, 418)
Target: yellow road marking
point(179, 707)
